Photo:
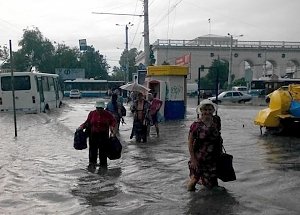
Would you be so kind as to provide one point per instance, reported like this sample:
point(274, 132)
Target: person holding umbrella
point(140, 110)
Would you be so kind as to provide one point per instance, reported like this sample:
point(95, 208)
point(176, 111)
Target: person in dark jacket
point(114, 107)
point(99, 123)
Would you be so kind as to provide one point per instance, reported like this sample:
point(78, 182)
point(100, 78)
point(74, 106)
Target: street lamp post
point(230, 60)
point(126, 51)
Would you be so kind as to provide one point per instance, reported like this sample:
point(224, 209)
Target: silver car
point(75, 94)
point(232, 96)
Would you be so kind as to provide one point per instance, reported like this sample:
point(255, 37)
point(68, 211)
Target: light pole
point(230, 60)
point(126, 51)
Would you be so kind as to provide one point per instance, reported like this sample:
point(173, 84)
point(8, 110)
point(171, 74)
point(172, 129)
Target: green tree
point(40, 52)
point(66, 57)
point(4, 57)
point(117, 74)
point(35, 51)
point(209, 81)
point(94, 63)
point(239, 82)
point(21, 61)
point(131, 54)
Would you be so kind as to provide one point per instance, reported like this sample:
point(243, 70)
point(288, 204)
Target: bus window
point(45, 84)
point(20, 83)
point(51, 83)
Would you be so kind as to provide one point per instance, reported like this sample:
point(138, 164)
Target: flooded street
point(41, 173)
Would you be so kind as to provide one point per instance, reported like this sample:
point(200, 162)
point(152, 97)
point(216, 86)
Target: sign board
point(69, 73)
point(82, 45)
point(141, 76)
point(134, 77)
point(6, 70)
point(183, 60)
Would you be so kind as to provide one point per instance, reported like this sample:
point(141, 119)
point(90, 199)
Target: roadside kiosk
point(169, 83)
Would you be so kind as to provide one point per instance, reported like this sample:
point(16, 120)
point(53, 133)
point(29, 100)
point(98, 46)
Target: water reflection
point(98, 186)
point(212, 202)
point(282, 152)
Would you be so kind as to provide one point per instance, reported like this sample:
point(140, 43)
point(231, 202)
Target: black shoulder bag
point(225, 171)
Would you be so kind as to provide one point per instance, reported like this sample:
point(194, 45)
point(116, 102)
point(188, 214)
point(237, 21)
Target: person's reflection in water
point(212, 203)
point(99, 188)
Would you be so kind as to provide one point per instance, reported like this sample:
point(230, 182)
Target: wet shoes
point(218, 188)
point(92, 167)
point(191, 186)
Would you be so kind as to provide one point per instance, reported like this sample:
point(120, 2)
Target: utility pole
point(127, 60)
point(13, 87)
point(146, 28)
point(126, 52)
point(230, 62)
point(146, 33)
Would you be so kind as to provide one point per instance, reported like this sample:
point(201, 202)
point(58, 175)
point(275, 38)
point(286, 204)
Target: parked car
point(75, 94)
point(231, 96)
point(192, 89)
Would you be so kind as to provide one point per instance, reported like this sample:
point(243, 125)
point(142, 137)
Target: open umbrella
point(135, 87)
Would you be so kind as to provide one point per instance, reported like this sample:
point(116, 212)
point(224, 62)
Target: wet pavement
point(41, 173)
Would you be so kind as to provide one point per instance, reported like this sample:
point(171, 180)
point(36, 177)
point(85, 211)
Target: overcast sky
point(67, 21)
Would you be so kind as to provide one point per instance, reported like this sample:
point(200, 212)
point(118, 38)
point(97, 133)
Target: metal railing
point(226, 43)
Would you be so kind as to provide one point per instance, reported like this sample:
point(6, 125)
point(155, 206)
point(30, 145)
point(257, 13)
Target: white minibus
point(34, 92)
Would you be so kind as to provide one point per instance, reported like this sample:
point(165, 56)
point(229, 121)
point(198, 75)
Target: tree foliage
point(66, 57)
point(95, 65)
point(239, 82)
point(209, 81)
point(40, 52)
point(4, 57)
point(131, 54)
point(37, 51)
point(117, 74)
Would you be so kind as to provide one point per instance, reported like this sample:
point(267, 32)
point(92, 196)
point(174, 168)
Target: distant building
point(263, 58)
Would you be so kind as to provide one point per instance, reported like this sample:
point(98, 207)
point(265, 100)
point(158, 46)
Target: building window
point(212, 54)
point(259, 55)
point(282, 55)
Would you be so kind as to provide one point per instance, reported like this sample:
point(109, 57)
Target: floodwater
point(41, 173)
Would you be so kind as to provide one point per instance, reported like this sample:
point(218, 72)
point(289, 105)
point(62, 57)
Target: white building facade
point(248, 59)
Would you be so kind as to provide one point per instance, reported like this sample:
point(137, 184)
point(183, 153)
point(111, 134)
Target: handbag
point(225, 170)
point(123, 110)
point(114, 148)
point(80, 139)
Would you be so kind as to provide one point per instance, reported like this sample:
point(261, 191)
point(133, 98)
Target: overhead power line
point(120, 14)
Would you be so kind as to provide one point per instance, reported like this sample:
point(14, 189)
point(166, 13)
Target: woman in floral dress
point(205, 146)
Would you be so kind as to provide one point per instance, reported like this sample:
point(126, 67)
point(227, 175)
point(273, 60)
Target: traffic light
point(151, 56)
point(202, 68)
